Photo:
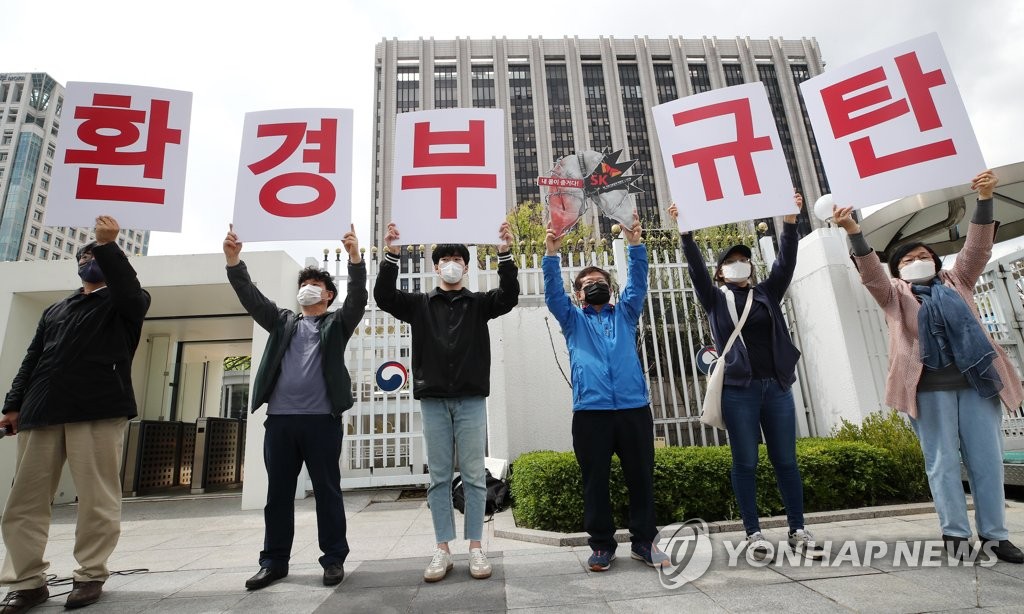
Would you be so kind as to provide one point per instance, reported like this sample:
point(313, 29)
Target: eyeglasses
point(590, 282)
point(910, 259)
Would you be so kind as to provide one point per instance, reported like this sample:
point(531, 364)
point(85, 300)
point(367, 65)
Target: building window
point(43, 253)
point(5, 89)
point(30, 248)
point(58, 243)
point(407, 92)
point(483, 87)
point(47, 168)
point(766, 73)
point(700, 80)
point(55, 256)
point(3, 156)
point(446, 90)
point(524, 135)
point(560, 113)
point(801, 74)
point(50, 151)
point(70, 248)
point(44, 183)
point(47, 236)
point(665, 82)
point(37, 215)
point(7, 138)
point(633, 108)
point(33, 231)
point(733, 74)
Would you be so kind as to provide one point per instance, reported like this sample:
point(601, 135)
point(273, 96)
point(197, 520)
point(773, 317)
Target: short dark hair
point(311, 272)
point(903, 250)
point(587, 271)
point(85, 249)
point(447, 250)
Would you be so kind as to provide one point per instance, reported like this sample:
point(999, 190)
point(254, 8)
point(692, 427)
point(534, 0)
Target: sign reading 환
point(723, 157)
point(449, 176)
point(892, 124)
point(295, 175)
point(121, 151)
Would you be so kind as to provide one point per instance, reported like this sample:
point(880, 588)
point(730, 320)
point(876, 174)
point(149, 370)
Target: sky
point(258, 55)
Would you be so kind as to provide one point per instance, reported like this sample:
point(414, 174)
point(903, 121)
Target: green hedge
point(891, 431)
point(694, 482)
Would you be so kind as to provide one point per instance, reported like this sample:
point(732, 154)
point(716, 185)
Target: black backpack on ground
point(497, 495)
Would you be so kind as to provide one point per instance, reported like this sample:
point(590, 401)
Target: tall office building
point(571, 94)
point(30, 107)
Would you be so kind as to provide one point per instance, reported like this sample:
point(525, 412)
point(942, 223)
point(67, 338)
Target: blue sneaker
point(601, 560)
point(649, 554)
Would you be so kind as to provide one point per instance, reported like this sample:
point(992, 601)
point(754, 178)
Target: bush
point(892, 432)
point(694, 482)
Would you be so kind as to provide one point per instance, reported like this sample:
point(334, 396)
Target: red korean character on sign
point(740, 149)
point(324, 155)
point(113, 112)
point(918, 85)
point(449, 183)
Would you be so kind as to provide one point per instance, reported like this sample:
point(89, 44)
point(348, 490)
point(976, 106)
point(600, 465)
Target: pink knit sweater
point(900, 308)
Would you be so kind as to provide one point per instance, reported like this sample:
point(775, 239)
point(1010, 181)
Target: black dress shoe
point(83, 594)
point(265, 576)
point(959, 548)
point(23, 600)
point(1005, 550)
point(334, 574)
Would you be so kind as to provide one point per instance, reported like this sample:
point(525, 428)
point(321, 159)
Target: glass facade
point(560, 113)
point(768, 76)
point(483, 87)
point(733, 74)
point(665, 83)
point(407, 92)
point(633, 108)
point(801, 74)
point(700, 80)
point(446, 89)
point(19, 191)
point(524, 136)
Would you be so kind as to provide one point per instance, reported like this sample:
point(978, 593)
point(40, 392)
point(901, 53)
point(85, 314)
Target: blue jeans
point(763, 406)
point(450, 424)
point(955, 424)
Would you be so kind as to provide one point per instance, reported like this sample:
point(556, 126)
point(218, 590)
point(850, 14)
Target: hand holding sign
point(391, 238)
point(799, 201)
point(351, 243)
point(232, 247)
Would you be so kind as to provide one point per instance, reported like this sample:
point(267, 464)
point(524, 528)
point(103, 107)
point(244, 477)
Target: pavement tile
point(887, 592)
point(694, 601)
point(792, 597)
point(996, 589)
point(395, 600)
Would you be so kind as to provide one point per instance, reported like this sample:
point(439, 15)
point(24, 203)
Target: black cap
point(85, 248)
point(743, 249)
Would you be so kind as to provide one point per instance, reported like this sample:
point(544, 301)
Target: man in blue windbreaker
point(611, 407)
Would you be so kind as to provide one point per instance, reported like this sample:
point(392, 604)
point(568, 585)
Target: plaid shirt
point(900, 308)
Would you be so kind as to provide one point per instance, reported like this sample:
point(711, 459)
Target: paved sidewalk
point(198, 553)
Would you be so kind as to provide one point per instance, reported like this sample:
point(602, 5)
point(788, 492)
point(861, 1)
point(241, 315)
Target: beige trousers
point(93, 451)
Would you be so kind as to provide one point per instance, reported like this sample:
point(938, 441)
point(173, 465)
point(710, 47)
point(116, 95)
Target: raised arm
point(782, 269)
point(703, 285)
point(633, 295)
point(981, 233)
point(872, 273)
point(554, 290)
point(354, 307)
point(263, 310)
point(385, 294)
point(126, 293)
point(502, 299)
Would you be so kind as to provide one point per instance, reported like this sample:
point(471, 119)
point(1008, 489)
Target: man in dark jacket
point(304, 382)
point(451, 368)
point(71, 400)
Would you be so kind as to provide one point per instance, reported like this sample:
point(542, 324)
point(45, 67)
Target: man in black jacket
point(71, 400)
point(451, 368)
point(304, 382)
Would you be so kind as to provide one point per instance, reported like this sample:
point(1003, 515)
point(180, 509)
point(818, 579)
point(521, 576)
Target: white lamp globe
point(823, 208)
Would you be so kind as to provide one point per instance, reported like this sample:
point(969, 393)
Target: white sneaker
point(439, 566)
point(479, 566)
point(803, 542)
point(758, 546)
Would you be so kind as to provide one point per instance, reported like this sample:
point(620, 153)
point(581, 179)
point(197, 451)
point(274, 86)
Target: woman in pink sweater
point(945, 371)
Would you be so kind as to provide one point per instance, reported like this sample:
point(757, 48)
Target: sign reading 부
point(449, 176)
point(892, 124)
point(294, 175)
point(723, 157)
point(121, 151)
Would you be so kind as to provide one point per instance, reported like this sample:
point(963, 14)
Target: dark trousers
point(629, 433)
point(290, 441)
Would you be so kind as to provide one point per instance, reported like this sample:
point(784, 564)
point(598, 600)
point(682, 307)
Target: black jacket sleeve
point(354, 307)
point(703, 285)
point(400, 304)
point(263, 310)
point(12, 402)
point(502, 299)
point(126, 293)
point(785, 264)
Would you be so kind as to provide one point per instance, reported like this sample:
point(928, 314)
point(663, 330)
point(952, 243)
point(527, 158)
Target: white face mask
point(309, 295)
point(451, 272)
point(918, 270)
point(736, 271)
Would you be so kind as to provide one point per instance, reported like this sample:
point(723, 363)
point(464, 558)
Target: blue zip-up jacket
point(606, 371)
point(769, 293)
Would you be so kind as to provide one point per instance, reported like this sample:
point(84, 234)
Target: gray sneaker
point(479, 566)
point(802, 541)
point(758, 546)
point(439, 566)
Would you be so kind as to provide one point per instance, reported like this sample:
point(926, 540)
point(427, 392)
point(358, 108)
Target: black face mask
point(597, 294)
